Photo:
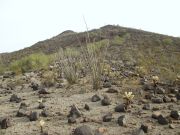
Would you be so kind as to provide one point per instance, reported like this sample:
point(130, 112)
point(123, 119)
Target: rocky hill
point(129, 38)
point(153, 53)
point(133, 90)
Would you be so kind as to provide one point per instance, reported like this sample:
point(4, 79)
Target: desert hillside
point(107, 81)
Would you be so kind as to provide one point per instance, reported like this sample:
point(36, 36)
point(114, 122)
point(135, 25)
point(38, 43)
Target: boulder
point(157, 100)
point(175, 114)
point(86, 107)
point(95, 98)
point(74, 112)
point(120, 108)
point(83, 130)
point(15, 98)
point(162, 120)
point(43, 91)
point(122, 120)
point(107, 117)
point(41, 106)
point(5, 122)
point(71, 120)
point(106, 101)
point(147, 107)
point(34, 116)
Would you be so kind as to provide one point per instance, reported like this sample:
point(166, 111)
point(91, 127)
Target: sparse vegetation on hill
point(30, 63)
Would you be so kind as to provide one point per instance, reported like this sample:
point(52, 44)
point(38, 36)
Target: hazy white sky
point(25, 22)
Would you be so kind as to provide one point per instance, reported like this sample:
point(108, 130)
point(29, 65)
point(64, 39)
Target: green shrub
point(168, 41)
point(2, 66)
point(2, 69)
point(119, 40)
point(29, 63)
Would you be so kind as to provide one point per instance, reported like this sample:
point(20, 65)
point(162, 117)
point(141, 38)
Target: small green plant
point(128, 96)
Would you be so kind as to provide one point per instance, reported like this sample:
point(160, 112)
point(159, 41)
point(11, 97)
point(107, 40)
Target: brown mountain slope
point(130, 38)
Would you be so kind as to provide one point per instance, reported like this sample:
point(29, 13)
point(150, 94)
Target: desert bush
point(168, 41)
point(119, 40)
point(31, 62)
point(69, 62)
point(91, 57)
point(94, 56)
point(49, 78)
point(2, 66)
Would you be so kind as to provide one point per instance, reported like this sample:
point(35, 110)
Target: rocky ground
point(79, 110)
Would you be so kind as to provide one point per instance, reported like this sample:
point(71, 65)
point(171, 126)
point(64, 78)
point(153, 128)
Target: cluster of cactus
point(128, 96)
point(155, 80)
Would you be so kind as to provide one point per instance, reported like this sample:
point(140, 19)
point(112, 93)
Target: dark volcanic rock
point(95, 98)
point(15, 98)
point(43, 91)
point(34, 86)
point(107, 117)
point(87, 107)
point(175, 114)
point(33, 116)
point(160, 90)
point(41, 106)
point(83, 130)
point(147, 107)
point(112, 90)
point(74, 112)
point(5, 123)
point(148, 87)
point(106, 101)
point(166, 99)
point(71, 120)
point(23, 106)
point(144, 128)
point(178, 96)
point(162, 120)
point(44, 133)
point(120, 108)
point(45, 113)
point(148, 96)
point(157, 100)
point(122, 120)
